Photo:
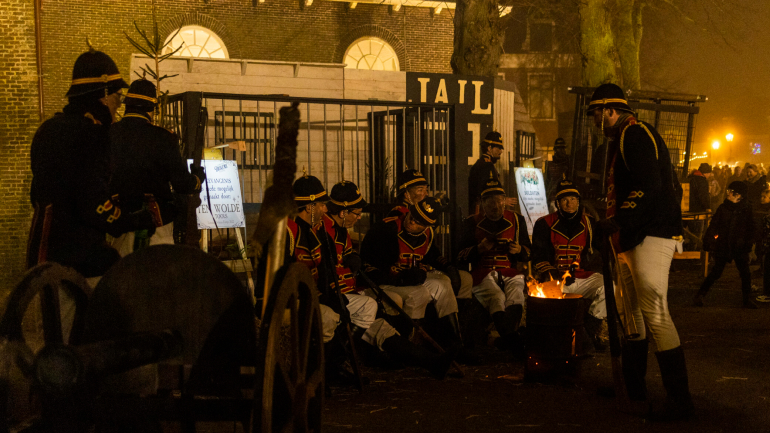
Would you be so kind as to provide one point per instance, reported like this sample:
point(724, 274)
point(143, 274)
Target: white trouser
point(329, 322)
point(493, 298)
point(363, 313)
point(591, 288)
point(125, 242)
point(643, 274)
point(437, 288)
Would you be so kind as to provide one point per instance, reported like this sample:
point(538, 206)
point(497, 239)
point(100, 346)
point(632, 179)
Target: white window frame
point(376, 57)
point(185, 52)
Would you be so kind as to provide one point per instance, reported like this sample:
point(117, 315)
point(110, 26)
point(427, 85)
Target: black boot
point(697, 300)
point(673, 371)
point(635, 368)
point(507, 325)
point(403, 350)
point(451, 324)
point(593, 328)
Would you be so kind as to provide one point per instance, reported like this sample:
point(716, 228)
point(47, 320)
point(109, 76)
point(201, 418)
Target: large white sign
point(532, 199)
point(223, 187)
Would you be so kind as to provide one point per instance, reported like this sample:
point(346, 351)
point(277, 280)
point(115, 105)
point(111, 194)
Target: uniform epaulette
point(389, 219)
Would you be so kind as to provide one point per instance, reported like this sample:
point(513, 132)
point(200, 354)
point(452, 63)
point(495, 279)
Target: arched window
point(371, 53)
point(197, 41)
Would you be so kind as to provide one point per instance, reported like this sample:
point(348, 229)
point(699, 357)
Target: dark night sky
point(727, 59)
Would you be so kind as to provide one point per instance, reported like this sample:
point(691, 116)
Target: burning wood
point(549, 289)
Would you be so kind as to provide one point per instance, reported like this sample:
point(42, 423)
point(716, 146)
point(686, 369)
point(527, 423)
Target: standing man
point(70, 156)
point(345, 207)
point(491, 150)
point(645, 222)
point(494, 242)
point(146, 164)
point(561, 243)
point(558, 166)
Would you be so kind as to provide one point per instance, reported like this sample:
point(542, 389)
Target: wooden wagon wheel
point(290, 390)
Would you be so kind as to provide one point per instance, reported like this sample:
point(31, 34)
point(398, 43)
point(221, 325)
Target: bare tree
point(478, 37)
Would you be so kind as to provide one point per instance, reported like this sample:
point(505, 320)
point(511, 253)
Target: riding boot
point(403, 350)
point(593, 328)
point(451, 325)
point(673, 371)
point(634, 360)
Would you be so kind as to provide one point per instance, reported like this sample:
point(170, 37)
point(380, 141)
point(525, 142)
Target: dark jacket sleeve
point(526, 244)
point(543, 252)
point(713, 230)
point(379, 250)
point(700, 199)
point(639, 154)
point(434, 258)
point(469, 251)
point(181, 179)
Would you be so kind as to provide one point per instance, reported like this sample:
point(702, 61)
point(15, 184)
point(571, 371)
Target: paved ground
point(727, 348)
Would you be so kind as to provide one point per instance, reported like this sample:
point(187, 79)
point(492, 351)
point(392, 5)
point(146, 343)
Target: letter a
point(441, 93)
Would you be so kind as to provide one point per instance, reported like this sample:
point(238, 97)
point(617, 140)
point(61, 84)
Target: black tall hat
point(94, 71)
point(426, 212)
point(492, 187)
point(494, 139)
point(410, 178)
point(308, 189)
point(609, 96)
point(559, 143)
point(566, 188)
point(142, 95)
point(345, 196)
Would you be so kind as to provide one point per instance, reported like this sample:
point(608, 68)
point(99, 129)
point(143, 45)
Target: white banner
point(532, 198)
point(226, 200)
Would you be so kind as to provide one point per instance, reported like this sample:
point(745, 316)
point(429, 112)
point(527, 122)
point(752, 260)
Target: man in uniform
point(405, 261)
point(561, 243)
point(494, 241)
point(345, 206)
point(74, 209)
point(491, 150)
point(645, 223)
point(412, 188)
point(558, 166)
point(146, 163)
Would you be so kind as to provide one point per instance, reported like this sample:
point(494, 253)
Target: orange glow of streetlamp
point(729, 137)
point(715, 144)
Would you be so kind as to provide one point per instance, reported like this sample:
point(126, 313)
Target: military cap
point(492, 187)
point(560, 143)
point(609, 96)
point(426, 212)
point(345, 196)
point(308, 189)
point(494, 139)
point(566, 188)
point(142, 94)
point(410, 178)
point(94, 71)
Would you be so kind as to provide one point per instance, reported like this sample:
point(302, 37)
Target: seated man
point(494, 241)
point(412, 188)
point(405, 261)
point(561, 241)
point(345, 207)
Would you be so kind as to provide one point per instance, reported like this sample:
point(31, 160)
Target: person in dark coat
point(146, 164)
point(730, 237)
point(644, 223)
point(756, 183)
point(700, 200)
point(558, 166)
point(483, 168)
point(70, 160)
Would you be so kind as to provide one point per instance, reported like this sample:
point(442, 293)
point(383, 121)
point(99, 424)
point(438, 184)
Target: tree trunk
point(596, 43)
point(628, 35)
point(478, 38)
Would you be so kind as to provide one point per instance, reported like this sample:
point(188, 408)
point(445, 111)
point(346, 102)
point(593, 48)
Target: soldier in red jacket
point(561, 243)
point(494, 241)
point(412, 188)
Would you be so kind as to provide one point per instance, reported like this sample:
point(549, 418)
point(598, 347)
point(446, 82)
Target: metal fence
point(673, 115)
point(366, 142)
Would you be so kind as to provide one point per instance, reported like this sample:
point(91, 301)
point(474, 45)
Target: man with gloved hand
point(345, 207)
point(494, 241)
point(146, 164)
point(405, 261)
point(561, 243)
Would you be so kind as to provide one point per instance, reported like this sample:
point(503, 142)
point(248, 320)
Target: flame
point(539, 293)
point(564, 278)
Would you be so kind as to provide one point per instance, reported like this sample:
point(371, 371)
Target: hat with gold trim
point(492, 187)
point(94, 71)
point(566, 188)
point(142, 95)
point(410, 178)
point(609, 96)
point(426, 212)
point(308, 189)
point(494, 139)
point(345, 196)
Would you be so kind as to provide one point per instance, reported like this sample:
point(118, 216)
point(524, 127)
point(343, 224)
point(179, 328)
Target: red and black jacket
point(559, 241)
point(304, 245)
point(389, 249)
point(343, 246)
point(511, 227)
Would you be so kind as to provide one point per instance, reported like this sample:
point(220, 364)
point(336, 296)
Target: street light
point(729, 137)
point(715, 144)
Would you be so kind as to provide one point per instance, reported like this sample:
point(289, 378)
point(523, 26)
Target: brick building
point(419, 33)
